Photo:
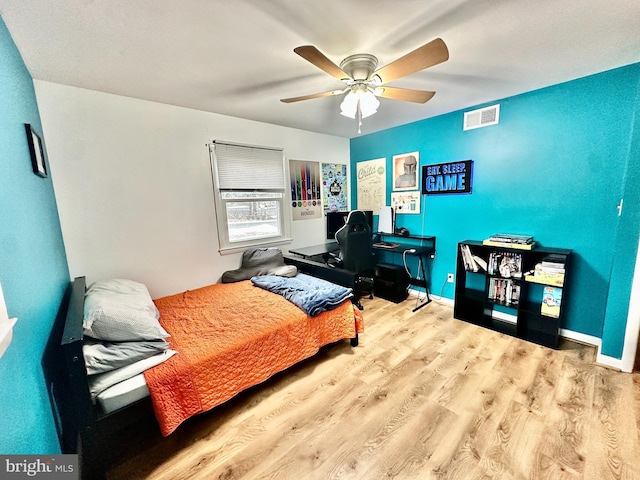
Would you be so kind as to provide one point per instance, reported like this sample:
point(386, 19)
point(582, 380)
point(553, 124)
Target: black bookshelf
point(514, 290)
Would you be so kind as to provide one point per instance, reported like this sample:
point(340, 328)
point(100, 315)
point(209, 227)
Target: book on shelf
point(480, 262)
point(553, 261)
point(548, 272)
point(465, 253)
point(511, 238)
point(541, 267)
point(551, 300)
point(505, 264)
point(504, 291)
point(556, 279)
point(472, 263)
point(521, 246)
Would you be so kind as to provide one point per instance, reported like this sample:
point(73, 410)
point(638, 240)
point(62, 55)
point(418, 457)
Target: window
point(249, 195)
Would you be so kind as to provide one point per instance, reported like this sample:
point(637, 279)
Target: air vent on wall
point(483, 117)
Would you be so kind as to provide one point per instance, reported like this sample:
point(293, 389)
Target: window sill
point(266, 244)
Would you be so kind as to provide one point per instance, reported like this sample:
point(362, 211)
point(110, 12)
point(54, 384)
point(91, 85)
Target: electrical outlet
point(450, 277)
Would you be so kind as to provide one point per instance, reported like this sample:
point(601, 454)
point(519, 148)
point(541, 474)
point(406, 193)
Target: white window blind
point(243, 167)
point(250, 195)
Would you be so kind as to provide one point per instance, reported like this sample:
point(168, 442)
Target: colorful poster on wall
point(305, 189)
point(334, 187)
point(405, 171)
point(372, 184)
point(405, 202)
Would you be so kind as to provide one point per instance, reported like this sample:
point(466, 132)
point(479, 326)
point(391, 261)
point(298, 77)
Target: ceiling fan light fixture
point(349, 105)
point(361, 103)
point(368, 104)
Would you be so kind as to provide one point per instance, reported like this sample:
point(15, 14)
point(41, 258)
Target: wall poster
point(405, 202)
point(452, 177)
point(405, 171)
point(334, 187)
point(305, 189)
point(372, 184)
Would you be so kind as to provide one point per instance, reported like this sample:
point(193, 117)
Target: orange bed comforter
point(230, 337)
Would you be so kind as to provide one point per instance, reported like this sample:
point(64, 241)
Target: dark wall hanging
point(36, 151)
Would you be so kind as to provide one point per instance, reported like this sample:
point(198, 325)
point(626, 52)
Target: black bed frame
point(83, 428)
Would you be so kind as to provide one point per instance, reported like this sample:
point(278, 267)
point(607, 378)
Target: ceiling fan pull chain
point(359, 113)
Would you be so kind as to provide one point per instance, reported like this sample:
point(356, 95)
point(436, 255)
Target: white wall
point(133, 184)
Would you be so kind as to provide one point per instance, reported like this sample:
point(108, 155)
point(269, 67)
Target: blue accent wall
point(33, 265)
point(555, 167)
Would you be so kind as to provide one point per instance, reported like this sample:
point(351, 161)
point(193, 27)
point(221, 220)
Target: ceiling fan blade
point(406, 94)
point(315, 56)
point(428, 55)
point(309, 97)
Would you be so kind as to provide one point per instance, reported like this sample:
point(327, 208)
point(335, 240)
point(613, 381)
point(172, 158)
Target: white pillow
point(102, 381)
point(121, 311)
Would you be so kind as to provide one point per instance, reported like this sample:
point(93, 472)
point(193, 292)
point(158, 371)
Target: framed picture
point(405, 202)
point(405, 171)
point(36, 151)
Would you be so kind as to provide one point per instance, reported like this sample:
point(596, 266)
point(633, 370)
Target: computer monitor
point(336, 220)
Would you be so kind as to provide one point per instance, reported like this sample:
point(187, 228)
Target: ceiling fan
point(364, 83)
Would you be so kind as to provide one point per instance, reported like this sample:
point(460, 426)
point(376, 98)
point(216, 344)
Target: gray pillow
point(99, 383)
point(102, 357)
point(121, 311)
point(260, 261)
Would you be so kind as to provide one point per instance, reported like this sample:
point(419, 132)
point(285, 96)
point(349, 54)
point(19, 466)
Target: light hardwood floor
point(424, 396)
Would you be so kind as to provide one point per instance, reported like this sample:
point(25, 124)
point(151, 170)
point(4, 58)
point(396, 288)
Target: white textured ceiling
point(235, 57)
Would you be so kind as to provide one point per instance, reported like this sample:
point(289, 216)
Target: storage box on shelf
point(520, 292)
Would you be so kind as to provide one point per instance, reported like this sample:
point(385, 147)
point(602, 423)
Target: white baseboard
point(609, 361)
point(581, 337)
point(601, 359)
point(435, 298)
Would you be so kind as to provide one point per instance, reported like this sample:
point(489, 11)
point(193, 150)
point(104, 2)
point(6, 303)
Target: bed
point(244, 334)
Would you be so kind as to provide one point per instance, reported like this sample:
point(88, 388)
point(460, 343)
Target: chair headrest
point(356, 216)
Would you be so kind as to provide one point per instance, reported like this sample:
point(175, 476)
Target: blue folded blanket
point(312, 295)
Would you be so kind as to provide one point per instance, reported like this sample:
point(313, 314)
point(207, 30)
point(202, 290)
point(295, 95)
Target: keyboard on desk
point(386, 245)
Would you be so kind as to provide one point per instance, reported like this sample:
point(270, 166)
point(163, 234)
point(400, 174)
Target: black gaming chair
point(354, 240)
